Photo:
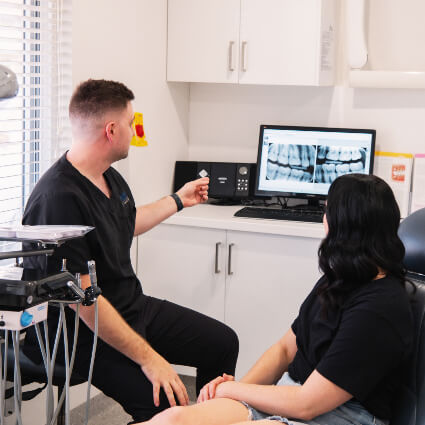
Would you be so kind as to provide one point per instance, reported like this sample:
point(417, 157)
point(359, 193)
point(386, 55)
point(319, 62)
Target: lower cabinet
point(179, 264)
point(271, 276)
point(253, 282)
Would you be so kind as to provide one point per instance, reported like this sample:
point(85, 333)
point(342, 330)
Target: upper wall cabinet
point(286, 42)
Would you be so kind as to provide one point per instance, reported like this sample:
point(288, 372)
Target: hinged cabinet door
point(271, 275)
point(185, 265)
point(203, 40)
point(280, 42)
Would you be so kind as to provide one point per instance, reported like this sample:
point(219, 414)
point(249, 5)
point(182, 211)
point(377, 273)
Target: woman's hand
point(208, 391)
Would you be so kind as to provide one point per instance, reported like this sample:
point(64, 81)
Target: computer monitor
point(302, 162)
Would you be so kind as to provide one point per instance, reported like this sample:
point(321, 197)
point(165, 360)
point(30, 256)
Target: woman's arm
point(318, 395)
point(274, 362)
point(267, 370)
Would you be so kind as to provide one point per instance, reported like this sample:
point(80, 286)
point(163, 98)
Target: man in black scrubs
point(140, 335)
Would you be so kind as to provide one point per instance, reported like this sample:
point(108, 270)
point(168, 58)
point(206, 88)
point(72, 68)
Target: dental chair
point(410, 403)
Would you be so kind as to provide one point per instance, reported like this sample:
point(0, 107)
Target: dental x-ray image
point(290, 162)
point(334, 161)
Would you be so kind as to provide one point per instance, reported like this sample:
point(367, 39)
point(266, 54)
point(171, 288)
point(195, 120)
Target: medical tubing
point(17, 336)
point(55, 345)
point(4, 376)
point(53, 359)
point(45, 354)
point(49, 395)
point(1, 389)
point(93, 355)
point(71, 367)
point(67, 377)
point(53, 362)
point(41, 344)
point(17, 378)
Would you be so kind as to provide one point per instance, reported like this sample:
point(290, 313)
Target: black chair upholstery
point(410, 404)
point(412, 233)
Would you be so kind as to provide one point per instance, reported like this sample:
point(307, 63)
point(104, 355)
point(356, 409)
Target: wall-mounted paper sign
point(139, 139)
point(396, 169)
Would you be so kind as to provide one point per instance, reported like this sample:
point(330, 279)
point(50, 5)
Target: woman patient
point(340, 363)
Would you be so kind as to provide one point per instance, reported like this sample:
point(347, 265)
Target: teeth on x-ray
point(321, 154)
point(356, 166)
point(294, 156)
point(335, 161)
point(342, 169)
point(304, 157)
point(300, 162)
point(291, 162)
point(283, 157)
point(271, 170)
point(273, 152)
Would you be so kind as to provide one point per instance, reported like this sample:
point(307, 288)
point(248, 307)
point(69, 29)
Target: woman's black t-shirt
point(361, 347)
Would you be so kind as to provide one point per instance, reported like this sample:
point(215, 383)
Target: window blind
point(35, 42)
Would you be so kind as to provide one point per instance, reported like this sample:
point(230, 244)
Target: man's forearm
point(115, 331)
point(148, 216)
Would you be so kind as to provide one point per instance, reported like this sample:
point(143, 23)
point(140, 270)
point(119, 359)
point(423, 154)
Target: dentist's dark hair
point(363, 219)
point(93, 98)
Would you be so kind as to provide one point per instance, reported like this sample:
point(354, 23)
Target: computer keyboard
point(291, 214)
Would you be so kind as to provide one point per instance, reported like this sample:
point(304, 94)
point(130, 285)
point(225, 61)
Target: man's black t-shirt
point(64, 196)
point(361, 347)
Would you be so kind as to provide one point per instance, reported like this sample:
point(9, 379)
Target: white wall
point(224, 119)
point(126, 41)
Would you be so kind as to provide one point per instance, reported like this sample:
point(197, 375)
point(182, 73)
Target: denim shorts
point(349, 413)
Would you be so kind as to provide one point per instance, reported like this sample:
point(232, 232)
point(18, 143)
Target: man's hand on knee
point(162, 375)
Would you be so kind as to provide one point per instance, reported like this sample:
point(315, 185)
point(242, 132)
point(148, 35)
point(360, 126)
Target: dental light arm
point(8, 83)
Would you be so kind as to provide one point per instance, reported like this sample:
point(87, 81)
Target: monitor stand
point(311, 205)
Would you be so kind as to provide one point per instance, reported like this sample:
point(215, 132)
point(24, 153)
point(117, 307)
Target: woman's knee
point(174, 416)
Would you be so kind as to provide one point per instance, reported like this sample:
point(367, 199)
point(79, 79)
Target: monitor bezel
point(267, 193)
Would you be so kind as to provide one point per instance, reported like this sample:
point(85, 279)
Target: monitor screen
point(304, 161)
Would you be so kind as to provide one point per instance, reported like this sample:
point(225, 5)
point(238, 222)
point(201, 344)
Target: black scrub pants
point(182, 336)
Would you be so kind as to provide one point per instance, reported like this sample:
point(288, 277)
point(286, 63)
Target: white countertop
point(221, 217)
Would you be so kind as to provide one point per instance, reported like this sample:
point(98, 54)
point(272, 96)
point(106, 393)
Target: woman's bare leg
point(221, 411)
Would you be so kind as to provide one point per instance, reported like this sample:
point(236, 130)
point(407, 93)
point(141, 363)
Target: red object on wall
point(139, 130)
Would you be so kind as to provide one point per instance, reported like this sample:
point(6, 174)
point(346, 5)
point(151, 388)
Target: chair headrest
point(412, 233)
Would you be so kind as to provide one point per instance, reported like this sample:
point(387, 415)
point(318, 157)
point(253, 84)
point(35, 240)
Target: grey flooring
point(105, 411)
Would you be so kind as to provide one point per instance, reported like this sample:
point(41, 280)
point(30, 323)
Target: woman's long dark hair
point(363, 219)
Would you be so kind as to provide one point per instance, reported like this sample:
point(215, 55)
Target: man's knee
point(230, 341)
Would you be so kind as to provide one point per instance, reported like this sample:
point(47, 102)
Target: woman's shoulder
point(380, 291)
point(386, 299)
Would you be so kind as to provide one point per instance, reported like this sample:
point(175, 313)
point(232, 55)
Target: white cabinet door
point(271, 277)
point(280, 41)
point(203, 40)
point(179, 264)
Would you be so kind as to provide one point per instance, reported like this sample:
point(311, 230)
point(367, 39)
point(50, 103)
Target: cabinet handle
point(229, 265)
point(244, 61)
point(231, 64)
point(217, 248)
